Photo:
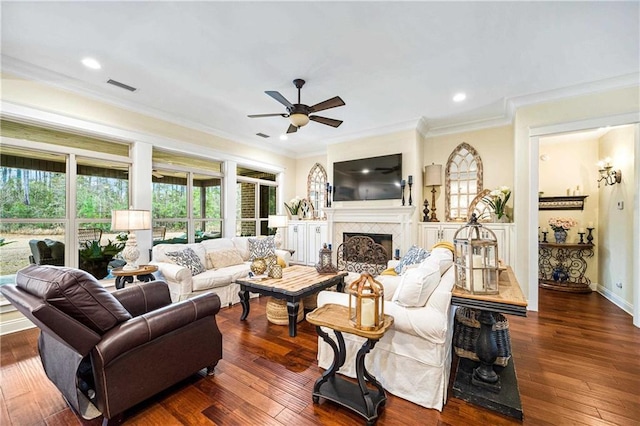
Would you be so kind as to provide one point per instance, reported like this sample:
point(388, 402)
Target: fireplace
point(385, 240)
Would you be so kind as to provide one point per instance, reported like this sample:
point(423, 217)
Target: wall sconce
point(607, 174)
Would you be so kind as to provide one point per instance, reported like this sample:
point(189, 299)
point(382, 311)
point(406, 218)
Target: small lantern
point(324, 265)
point(366, 303)
point(476, 258)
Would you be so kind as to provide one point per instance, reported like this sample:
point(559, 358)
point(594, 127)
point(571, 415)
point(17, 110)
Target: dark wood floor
point(577, 362)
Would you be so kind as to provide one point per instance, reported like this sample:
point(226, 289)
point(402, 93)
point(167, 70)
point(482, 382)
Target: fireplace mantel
point(395, 220)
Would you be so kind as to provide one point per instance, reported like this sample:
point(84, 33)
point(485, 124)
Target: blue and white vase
point(560, 236)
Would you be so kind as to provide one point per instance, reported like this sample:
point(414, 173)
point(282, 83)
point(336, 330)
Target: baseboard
point(615, 299)
point(15, 325)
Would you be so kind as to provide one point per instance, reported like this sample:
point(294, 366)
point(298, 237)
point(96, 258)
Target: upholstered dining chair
point(106, 352)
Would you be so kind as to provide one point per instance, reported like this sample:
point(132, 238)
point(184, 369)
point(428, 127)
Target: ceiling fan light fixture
point(299, 120)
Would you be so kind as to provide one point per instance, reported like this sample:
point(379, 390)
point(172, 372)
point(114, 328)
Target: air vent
point(262, 135)
point(122, 85)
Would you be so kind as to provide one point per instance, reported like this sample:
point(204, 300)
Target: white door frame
point(535, 133)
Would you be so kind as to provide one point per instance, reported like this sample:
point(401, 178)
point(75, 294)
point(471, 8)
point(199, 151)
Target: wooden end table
point(480, 384)
point(296, 283)
point(144, 274)
point(356, 397)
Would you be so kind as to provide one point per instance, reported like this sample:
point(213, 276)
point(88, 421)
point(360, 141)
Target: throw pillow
point(224, 257)
point(187, 258)
point(414, 255)
point(440, 257)
point(261, 247)
point(281, 262)
point(416, 286)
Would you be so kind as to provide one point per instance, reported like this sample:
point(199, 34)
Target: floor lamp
point(130, 220)
point(433, 178)
point(278, 222)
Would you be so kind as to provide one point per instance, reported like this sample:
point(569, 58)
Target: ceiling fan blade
point(278, 97)
point(267, 115)
point(329, 103)
point(292, 129)
point(324, 120)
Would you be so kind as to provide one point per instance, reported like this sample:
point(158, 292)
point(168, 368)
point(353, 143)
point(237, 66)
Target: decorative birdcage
point(324, 265)
point(366, 303)
point(476, 258)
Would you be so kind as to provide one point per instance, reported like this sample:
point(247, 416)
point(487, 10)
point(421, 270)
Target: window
point(187, 198)
point(33, 187)
point(256, 200)
point(463, 181)
point(317, 187)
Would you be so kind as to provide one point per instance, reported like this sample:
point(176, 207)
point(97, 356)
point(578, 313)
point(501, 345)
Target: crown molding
point(50, 78)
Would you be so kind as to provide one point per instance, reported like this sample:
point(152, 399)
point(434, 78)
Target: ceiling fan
point(298, 114)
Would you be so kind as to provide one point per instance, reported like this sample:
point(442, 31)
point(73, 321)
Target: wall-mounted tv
point(375, 178)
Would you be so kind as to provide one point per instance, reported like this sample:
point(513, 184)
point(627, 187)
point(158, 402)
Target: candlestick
point(410, 184)
point(425, 218)
point(410, 181)
point(397, 256)
point(328, 202)
point(589, 236)
point(402, 185)
point(544, 236)
point(581, 237)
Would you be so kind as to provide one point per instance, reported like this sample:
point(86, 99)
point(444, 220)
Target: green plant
point(497, 199)
point(93, 251)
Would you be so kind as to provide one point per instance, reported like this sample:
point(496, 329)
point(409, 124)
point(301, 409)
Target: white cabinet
point(306, 238)
point(433, 232)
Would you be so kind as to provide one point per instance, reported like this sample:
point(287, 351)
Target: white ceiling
point(207, 64)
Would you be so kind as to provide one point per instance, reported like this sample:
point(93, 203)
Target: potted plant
point(95, 258)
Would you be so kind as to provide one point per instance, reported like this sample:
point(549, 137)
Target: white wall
point(495, 147)
point(616, 243)
point(544, 118)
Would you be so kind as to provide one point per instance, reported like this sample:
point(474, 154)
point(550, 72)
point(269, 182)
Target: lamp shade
point(433, 175)
point(278, 221)
point(130, 220)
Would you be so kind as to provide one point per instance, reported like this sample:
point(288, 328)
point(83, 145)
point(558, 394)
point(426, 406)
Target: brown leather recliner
point(106, 351)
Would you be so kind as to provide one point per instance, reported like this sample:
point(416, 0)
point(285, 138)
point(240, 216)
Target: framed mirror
point(317, 189)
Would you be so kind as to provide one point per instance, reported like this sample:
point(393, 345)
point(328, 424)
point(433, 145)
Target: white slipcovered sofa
point(413, 358)
point(220, 280)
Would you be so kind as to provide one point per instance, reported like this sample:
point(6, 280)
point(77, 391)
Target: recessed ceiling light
point(284, 137)
point(459, 97)
point(91, 63)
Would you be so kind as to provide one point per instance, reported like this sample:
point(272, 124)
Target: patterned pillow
point(414, 255)
point(187, 258)
point(224, 257)
point(261, 247)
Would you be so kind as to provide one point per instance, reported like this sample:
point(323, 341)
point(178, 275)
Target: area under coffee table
point(296, 283)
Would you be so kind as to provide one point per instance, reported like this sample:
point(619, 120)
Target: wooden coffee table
point(296, 283)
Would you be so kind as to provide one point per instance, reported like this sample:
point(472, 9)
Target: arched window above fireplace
point(463, 181)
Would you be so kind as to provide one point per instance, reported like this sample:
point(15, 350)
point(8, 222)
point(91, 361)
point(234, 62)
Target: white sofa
point(182, 285)
point(413, 358)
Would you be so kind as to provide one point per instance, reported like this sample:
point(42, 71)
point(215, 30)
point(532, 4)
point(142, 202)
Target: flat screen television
point(375, 178)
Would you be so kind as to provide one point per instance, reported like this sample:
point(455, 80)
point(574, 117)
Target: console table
point(562, 266)
point(478, 383)
point(357, 397)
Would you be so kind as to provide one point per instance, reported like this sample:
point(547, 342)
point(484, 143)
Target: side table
point(357, 397)
point(144, 274)
point(479, 383)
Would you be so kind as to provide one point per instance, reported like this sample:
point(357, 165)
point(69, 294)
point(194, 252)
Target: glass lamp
point(298, 119)
point(366, 303)
point(277, 222)
point(476, 258)
point(130, 220)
